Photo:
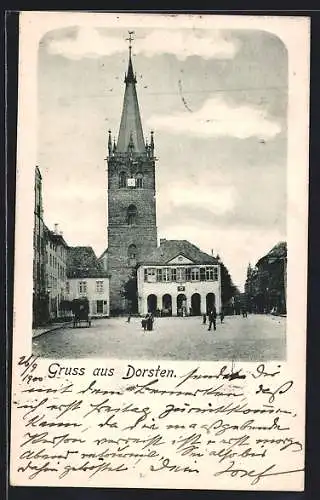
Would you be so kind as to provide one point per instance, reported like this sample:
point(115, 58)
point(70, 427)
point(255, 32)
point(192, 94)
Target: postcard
point(160, 293)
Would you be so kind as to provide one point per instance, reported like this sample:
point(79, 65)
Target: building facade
point(132, 231)
point(96, 290)
point(40, 296)
point(56, 270)
point(266, 283)
point(86, 278)
point(178, 279)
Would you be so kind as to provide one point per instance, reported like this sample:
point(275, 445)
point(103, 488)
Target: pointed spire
point(152, 142)
point(109, 143)
point(114, 145)
point(130, 125)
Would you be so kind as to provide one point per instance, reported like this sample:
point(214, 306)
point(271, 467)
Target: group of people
point(147, 322)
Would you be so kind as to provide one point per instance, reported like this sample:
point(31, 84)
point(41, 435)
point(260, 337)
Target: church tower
point(132, 230)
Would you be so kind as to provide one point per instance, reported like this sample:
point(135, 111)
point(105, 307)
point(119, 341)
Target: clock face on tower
point(131, 182)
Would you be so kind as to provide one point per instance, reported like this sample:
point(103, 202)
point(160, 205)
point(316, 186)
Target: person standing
point(150, 322)
point(221, 315)
point(204, 318)
point(212, 316)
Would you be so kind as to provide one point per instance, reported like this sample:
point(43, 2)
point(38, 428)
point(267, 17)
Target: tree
point(228, 289)
point(129, 291)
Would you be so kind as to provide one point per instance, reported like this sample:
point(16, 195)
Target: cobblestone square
point(255, 338)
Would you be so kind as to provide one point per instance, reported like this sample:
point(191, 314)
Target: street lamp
point(49, 301)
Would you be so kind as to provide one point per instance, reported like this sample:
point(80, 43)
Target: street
point(255, 338)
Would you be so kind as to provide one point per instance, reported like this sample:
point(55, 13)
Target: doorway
point(195, 304)
point(210, 301)
point(152, 303)
point(181, 305)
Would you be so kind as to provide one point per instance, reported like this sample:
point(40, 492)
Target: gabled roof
point(169, 249)
point(83, 263)
point(278, 252)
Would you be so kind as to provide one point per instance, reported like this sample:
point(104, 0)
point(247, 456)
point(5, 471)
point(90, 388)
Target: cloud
point(218, 118)
point(184, 44)
point(218, 200)
point(90, 42)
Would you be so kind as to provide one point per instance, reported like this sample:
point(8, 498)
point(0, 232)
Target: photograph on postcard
point(161, 250)
point(160, 194)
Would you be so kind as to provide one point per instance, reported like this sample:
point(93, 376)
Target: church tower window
point(132, 215)
point(132, 255)
point(139, 180)
point(122, 180)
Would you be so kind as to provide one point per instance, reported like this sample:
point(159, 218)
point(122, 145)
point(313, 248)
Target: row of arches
point(166, 307)
point(138, 177)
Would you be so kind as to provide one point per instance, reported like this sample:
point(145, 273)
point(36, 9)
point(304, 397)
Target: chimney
point(162, 240)
point(56, 228)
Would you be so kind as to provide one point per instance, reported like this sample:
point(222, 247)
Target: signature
point(253, 474)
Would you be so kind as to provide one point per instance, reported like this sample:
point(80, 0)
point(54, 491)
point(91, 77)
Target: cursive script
point(226, 425)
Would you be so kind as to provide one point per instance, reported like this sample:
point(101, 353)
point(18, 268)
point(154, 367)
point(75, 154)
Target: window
point(132, 215)
point(132, 255)
point(195, 274)
point(188, 274)
point(181, 274)
point(132, 251)
point(159, 274)
point(166, 274)
point(99, 306)
point(215, 273)
point(99, 286)
point(151, 275)
point(174, 274)
point(202, 274)
point(139, 180)
point(145, 274)
point(122, 180)
point(211, 273)
point(82, 287)
point(67, 287)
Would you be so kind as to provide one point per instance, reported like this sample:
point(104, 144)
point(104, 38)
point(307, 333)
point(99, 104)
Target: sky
point(217, 102)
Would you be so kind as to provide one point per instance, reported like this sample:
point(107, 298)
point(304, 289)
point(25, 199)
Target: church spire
point(130, 125)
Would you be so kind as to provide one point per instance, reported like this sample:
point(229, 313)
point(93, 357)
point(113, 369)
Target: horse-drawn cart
point(80, 309)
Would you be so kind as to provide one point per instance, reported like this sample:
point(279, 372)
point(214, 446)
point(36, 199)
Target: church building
point(176, 277)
